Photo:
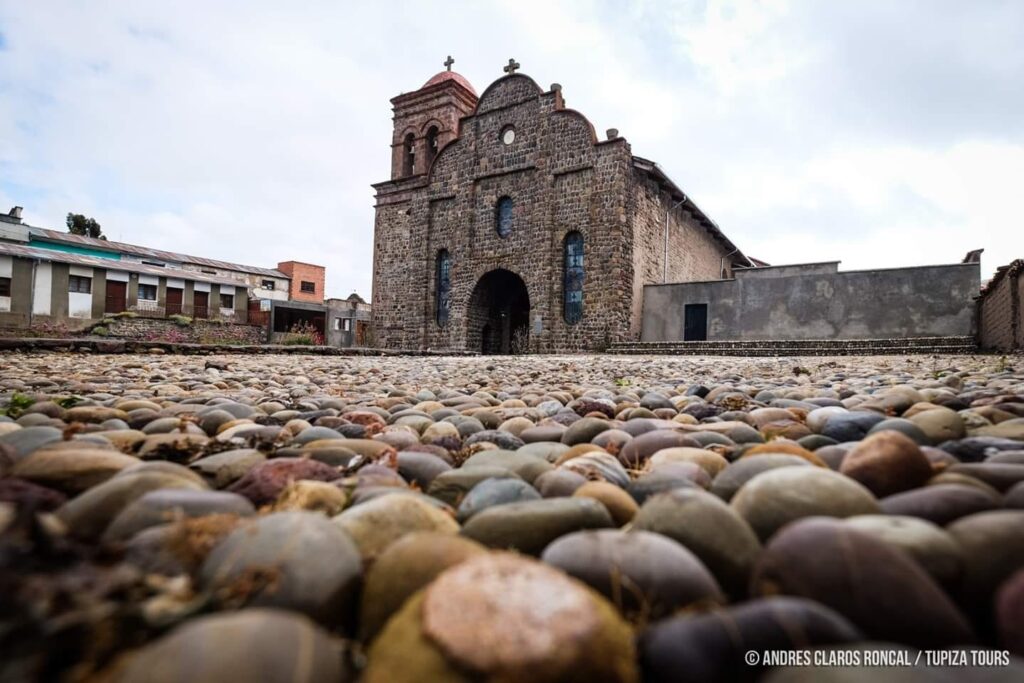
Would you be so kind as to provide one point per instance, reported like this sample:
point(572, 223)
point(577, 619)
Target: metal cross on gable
point(448, 62)
point(512, 66)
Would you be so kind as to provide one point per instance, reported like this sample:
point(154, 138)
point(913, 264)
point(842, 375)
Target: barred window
point(443, 286)
point(79, 284)
point(573, 278)
point(503, 217)
point(147, 292)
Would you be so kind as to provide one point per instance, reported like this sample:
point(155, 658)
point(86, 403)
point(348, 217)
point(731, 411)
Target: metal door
point(695, 322)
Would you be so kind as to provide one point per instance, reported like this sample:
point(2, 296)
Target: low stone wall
point(195, 332)
point(107, 345)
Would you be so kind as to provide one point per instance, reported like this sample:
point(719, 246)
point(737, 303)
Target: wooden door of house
point(174, 299)
point(117, 295)
point(201, 305)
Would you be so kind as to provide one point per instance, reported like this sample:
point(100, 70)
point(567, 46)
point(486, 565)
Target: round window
point(508, 135)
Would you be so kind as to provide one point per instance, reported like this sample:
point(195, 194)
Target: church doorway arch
point(498, 319)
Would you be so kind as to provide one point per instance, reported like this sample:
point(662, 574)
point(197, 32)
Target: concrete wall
point(815, 304)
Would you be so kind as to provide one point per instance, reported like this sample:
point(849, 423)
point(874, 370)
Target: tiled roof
point(109, 264)
point(146, 252)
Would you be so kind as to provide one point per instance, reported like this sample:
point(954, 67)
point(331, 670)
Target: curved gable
point(575, 138)
point(507, 90)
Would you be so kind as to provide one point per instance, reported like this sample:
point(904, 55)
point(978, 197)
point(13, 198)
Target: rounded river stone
point(299, 561)
point(502, 617)
point(491, 492)
point(250, 645)
point(709, 528)
point(635, 570)
point(940, 504)
point(887, 462)
point(858, 575)
point(166, 505)
point(777, 497)
point(930, 545)
point(529, 527)
point(711, 647)
point(378, 523)
point(406, 566)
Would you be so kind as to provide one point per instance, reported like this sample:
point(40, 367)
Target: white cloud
point(251, 131)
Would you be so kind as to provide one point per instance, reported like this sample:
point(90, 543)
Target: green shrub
point(180, 320)
point(100, 331)
point(299, 340)
point(125, 314)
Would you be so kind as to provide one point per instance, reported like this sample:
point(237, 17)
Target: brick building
point(508, 226)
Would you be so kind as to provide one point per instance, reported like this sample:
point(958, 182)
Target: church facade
point(507, 226)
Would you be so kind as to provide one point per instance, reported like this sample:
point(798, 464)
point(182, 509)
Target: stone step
point(802, 347)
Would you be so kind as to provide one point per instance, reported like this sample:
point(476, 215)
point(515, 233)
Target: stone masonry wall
point(560, 180)
point(197, 332)
point(1001, 309)
point(693, 254)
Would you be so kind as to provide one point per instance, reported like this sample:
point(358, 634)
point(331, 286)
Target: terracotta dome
point(450, 76)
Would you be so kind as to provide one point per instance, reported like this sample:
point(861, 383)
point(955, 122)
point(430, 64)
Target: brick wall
point(304, 272)
point(1001, 309)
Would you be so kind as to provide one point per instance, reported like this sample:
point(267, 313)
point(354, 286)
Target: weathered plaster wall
point(899, 302)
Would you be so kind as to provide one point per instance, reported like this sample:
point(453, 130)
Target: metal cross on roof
point(512, 66)
point(448, 62)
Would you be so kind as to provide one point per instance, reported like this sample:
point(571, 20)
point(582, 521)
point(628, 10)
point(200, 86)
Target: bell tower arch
point(427, 119)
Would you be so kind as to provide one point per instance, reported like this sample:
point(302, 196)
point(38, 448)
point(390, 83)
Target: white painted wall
point(6, 267)
point(43, 289)
point(175, 283)
point(79, 303)
point(149, 280)
point(116, 276)
point(202, 287)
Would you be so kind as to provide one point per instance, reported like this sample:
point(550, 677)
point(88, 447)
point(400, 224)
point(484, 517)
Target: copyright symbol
point(751, 657)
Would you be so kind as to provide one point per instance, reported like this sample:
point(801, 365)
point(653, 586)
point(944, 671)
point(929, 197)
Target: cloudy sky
point(876, 132)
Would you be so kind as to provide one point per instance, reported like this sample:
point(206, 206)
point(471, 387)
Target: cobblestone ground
point(588, 517)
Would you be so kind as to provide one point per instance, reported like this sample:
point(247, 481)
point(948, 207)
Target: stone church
point(508, 226)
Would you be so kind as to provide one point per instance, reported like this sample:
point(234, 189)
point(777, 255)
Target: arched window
point(572, 282)
point(431, 144)
point(408, 154)
point(503, 217)
point(443, 286)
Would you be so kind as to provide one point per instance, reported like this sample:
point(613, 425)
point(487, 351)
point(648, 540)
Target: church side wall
point(395, 323)
point(693, 254)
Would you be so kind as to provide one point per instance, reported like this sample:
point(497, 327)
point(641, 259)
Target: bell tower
point(427, 119)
